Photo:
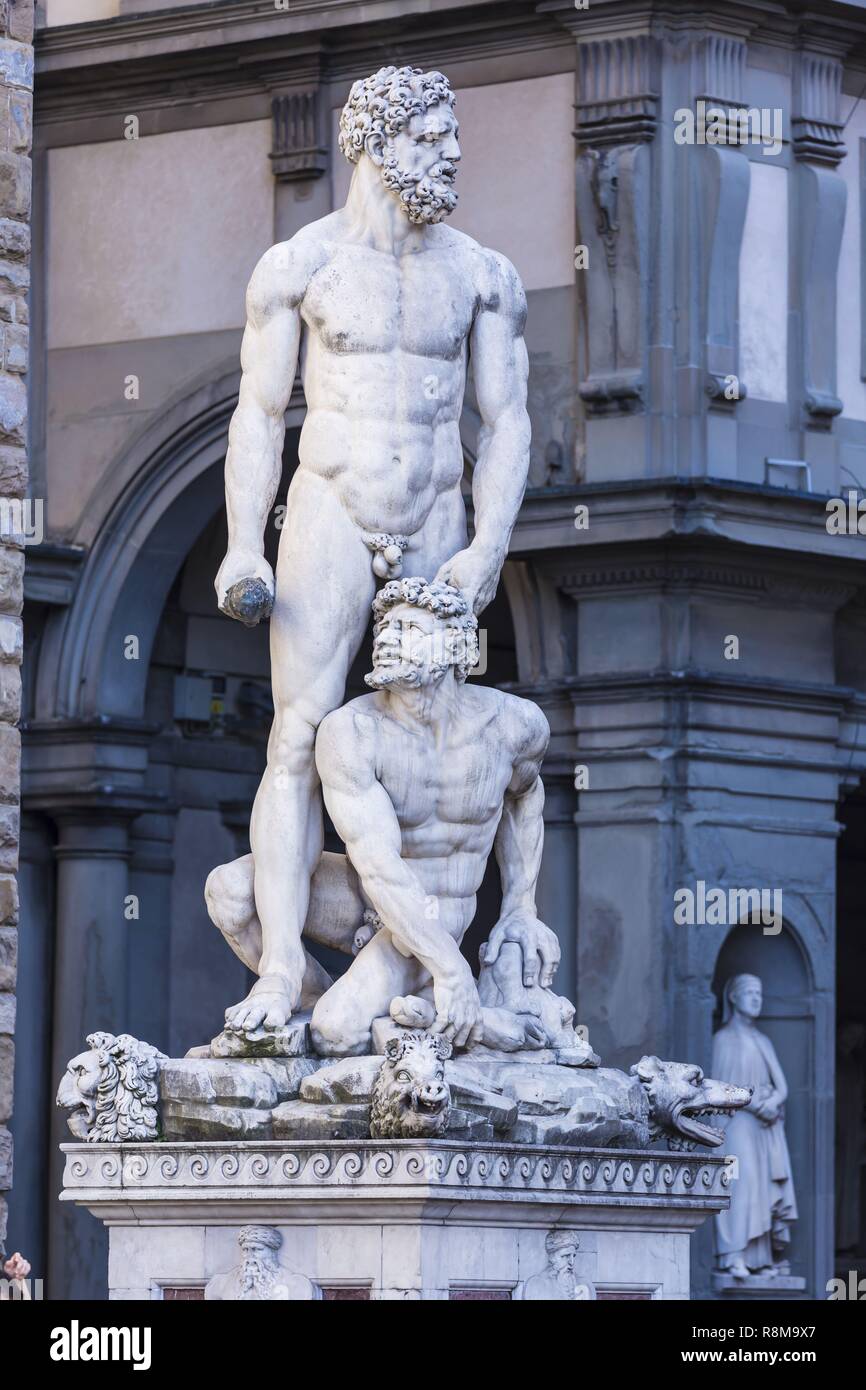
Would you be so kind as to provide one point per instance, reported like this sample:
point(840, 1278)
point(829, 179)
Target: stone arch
point(159, 497)
point(783, 959)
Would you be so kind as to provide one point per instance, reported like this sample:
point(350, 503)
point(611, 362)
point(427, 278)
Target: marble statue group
point(423, 777)
point(383, 305)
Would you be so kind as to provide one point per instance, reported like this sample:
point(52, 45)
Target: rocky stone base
point(213, 1098)
point(312, 1098)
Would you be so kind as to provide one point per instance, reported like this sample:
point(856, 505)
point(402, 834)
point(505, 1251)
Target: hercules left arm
point(500, 368)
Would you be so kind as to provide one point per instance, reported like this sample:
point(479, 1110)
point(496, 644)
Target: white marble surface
point(380, 304)
point(407, 1221)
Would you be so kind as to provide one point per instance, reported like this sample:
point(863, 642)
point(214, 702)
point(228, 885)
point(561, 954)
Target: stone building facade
point(674, 598)
point(16, 109)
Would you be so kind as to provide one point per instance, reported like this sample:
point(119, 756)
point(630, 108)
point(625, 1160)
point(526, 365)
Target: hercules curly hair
point(384, 103)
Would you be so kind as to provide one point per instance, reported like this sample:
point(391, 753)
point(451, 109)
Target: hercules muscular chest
point(364, 301)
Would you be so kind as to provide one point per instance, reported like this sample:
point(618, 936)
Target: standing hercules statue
point(382, 303)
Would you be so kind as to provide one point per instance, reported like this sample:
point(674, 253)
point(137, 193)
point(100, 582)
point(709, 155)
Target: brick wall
point(16, 102)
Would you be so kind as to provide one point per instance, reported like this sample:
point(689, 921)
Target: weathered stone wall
point(16, 103)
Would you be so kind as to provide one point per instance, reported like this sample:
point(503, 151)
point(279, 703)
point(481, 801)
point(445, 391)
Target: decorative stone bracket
point(612, 196)
point(298, 151)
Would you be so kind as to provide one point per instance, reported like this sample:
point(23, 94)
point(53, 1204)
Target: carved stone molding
point(298, 152)
point(816, 124)
point(823, 404)
point(693, 575)
point(821, 198)
point(718, 390)
point(723, 177)
point(604, 394)
point(612, 199)
point(668, 574)
point(616, 90)
point(387, 1168)
point(723, 65)
point(811, 593)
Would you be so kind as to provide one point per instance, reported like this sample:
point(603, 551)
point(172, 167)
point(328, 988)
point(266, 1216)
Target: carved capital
point(722, 67)
point(298, 151)
point(816, 118)
point(617, 90)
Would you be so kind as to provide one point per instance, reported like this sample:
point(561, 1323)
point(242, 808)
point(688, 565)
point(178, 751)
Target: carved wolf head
point(411, 1098)
point(111, 1090)
point(678, 1092)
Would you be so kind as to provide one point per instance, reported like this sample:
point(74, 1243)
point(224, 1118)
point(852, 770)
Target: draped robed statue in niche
point(753, 1235)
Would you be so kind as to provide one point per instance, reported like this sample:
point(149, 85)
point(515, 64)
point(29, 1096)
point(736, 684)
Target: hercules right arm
point(269, 357)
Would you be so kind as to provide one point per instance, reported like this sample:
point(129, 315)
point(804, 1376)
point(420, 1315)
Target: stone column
point(16, 83)
point(616, 81)
point(817, 221)
point(659, 227)
point(34, 1099)
point(716, 179)
point(148, 926)
point(90, 994)
point(557, 883)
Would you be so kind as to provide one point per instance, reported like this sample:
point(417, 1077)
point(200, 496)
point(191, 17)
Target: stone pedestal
point(758, 1286)
point(408, 1219)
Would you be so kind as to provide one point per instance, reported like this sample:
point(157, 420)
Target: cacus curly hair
point(443, 601)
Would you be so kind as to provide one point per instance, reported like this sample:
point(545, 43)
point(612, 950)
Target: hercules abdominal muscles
point(384, 472)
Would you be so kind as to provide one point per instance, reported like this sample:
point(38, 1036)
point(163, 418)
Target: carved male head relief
point(259, 1266)
point(421, 630)
point(562, 1248)
point(403, 120)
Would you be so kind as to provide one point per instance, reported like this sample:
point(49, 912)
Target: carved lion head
point(110, 1091)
